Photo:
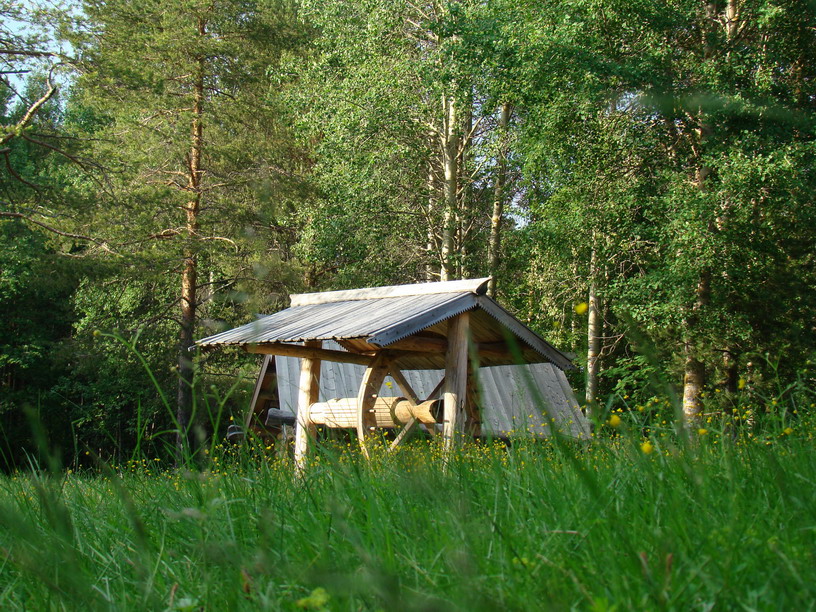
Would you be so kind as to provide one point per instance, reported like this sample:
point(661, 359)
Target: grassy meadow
point(724, 521)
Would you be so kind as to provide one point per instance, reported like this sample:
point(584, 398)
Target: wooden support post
point(253, 405)
point(308, 392)
point(456, 367)
point(369, 390)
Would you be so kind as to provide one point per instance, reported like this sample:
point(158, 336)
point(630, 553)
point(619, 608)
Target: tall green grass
point(722, 523)
point(724, 518)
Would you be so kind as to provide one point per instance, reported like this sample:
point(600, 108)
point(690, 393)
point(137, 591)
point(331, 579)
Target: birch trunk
point(693, 368)
point(450, 159)
point(429, 247)
point(594, 333)
point(499, 195)
point(694, 371)
point(465, 198)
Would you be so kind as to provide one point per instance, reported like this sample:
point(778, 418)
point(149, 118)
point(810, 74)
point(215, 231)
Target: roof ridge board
point(476, 286)
point(527, 335)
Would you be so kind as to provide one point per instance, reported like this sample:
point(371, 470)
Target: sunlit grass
point(631, 521)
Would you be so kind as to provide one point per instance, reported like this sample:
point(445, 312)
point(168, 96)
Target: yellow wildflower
point(581, 308)
point(647, 447)
point(317, 600)
point(615, 420)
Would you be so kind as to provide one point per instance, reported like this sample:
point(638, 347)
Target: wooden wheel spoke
point(369, 391)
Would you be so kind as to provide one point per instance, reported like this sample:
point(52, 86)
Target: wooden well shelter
point(388, 332)
point(520, 400)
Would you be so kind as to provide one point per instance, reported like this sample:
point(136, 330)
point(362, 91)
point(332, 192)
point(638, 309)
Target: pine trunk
point(190, 270)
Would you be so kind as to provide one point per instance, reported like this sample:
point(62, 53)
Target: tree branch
point(32, 110)
point(13, 173)
point(16, 215)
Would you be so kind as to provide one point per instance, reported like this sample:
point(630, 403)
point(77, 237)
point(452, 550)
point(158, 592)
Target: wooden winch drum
point(388, 412)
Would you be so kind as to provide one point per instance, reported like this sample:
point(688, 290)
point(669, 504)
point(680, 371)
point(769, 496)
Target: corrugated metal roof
point(383, 315)
point(381, 321)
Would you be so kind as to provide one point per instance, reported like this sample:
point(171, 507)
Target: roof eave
point(524, 333)
point(456, 306)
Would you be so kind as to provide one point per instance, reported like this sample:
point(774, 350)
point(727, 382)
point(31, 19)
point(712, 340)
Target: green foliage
point(675, 145)
point(36, 284)
point(35, 288)
point(635, 103)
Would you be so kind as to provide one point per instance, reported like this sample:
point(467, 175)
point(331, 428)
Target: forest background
point(637, 177)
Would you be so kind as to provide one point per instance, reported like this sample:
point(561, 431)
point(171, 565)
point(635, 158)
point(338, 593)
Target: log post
point(308, 393)
point(369, 391)
point(456, 366)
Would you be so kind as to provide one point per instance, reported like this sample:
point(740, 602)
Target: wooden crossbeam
point(414, 344)
point(421, 344)
point(308, 352)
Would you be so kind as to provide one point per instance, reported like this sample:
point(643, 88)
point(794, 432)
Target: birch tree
point(709, 88)
point(397, 103)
